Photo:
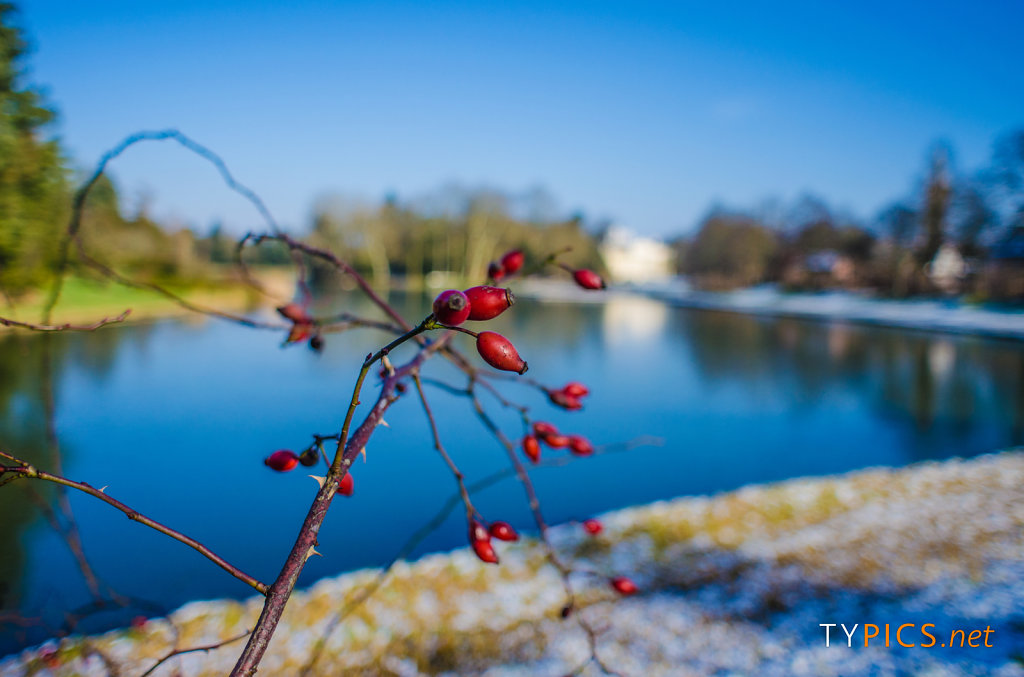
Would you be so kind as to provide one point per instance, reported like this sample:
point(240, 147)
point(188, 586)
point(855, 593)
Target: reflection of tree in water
point(950, 392)
point(22, 430)
point(30, 367)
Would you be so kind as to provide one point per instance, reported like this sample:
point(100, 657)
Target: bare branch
point(208, 647)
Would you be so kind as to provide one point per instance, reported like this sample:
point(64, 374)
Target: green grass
point(84, 300)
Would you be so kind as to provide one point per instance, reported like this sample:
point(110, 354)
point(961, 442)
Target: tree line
point(977, 217)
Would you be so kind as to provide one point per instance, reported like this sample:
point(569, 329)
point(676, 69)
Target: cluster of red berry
point(303, 325)
point(284, 460)
point(509, 264)
point(478, 304)
point(480, 538)
point(451, 308)
point(549, 435)
point(569, 397)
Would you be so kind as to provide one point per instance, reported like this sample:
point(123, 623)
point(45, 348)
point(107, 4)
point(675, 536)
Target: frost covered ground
point(932, 315)
point(734, 584)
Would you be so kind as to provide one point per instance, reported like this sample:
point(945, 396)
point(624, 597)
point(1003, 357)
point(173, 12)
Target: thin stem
point(208, 647)
point(462, 329)
point(459, 477)
point(7, 322)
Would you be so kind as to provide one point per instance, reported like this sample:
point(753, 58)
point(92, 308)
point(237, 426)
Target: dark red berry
point(593, 526)
point(503, 531)
point(624, 586)
point(487, 302)
point(499, 352)
point(495, 271)
point(300, 331)
point(480, 540)
point(580, 446)
point(296, 313)
point(485, 551)
point(531, 447)
point(451, 307)
point(282, 460)
point(512, 261)
point(346, 485)
point(310, 457)
point(542, 429)
point(139, 622)
point(576, 389)
point(567, 611)
point(565, 401)
point(588, 279)
point(478, 532)
point(557, 441)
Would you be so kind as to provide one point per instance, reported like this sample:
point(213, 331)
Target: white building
point(635, 259)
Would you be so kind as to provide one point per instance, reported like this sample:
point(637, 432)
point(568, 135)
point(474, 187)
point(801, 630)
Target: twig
point(82, 193)
point(7, 322)
point(208, 647)
point(459, 477)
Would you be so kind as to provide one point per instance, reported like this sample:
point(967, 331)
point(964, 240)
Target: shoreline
point(735, 582)
point(86, 300)
point(950, 317)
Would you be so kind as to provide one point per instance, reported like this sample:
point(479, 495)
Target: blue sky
point(644, 113)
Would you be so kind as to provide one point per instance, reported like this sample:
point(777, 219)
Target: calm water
point(176, 417)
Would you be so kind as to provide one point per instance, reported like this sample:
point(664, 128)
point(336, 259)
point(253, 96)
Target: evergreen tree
point(32, 178)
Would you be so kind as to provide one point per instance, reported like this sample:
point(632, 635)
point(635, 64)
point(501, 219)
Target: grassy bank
point(87, 300)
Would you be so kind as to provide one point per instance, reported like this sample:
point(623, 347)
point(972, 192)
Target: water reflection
point(738, 399)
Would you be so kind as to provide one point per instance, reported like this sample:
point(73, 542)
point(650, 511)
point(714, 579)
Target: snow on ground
point(946, 315)
point(736, 584)
point(932, 315)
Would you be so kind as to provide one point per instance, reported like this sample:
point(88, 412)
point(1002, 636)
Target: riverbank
point(950, 316)
point(736, 583)
point(87, 300)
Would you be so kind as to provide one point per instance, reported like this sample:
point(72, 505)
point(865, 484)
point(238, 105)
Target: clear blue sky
point(644, 113)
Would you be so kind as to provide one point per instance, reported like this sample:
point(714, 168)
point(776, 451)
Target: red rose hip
point(485, 551)
point(346, 485)
point(295, 312)
point(623, 586)
point(588, 279)
point(503, 531)
point(557, 441)
point(451, 307)
point(580, 446)
point(531, 448)
point(495, 271)
point(480, 540)
point(486, 302)
point(576, 389)
point(499, 352)
point(593, 526)
point(542, 429)
point(282, 460)
point(512, 261)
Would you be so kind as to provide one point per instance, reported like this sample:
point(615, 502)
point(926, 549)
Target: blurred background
point(865, 162)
